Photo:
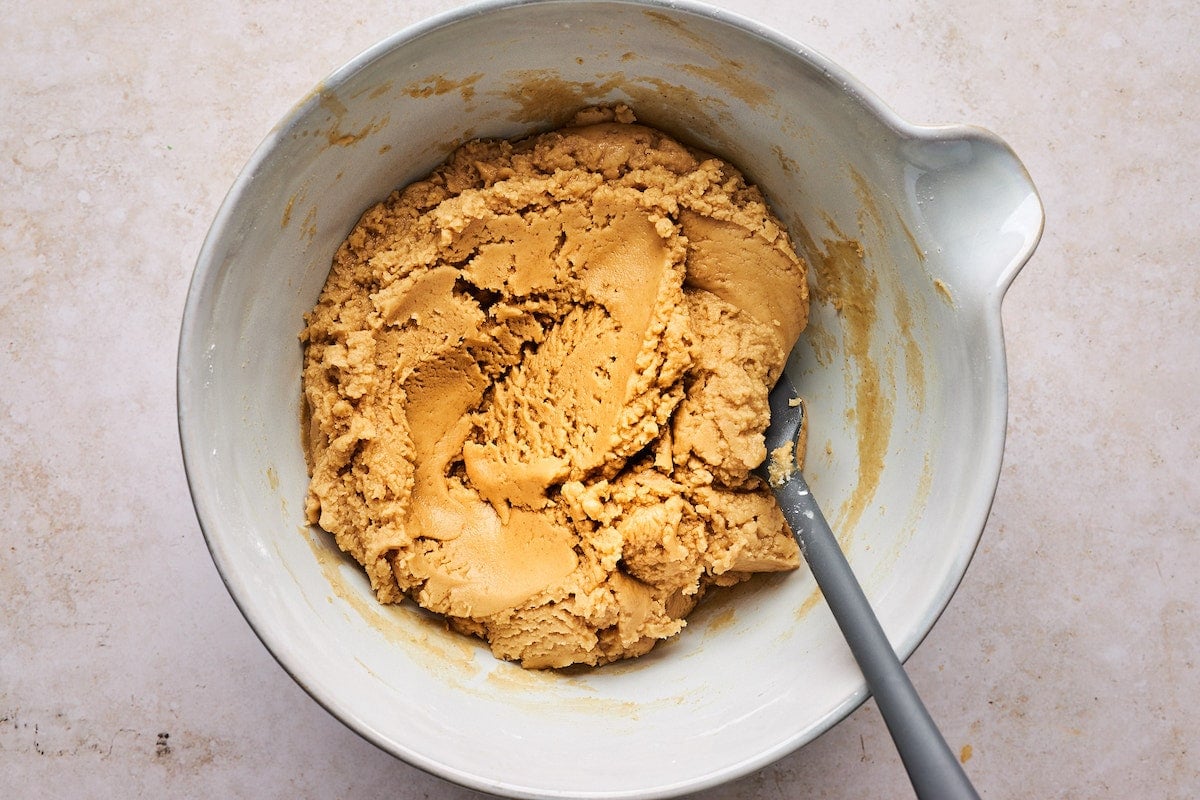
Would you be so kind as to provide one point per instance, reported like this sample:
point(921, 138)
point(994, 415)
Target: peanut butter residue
point(330, 102)
point(437, 85)
point(944, 291)
point(844, 282)
point(537, 385)
point(732, 76)
point(538, 96)
point(786, 460)
point(541, 95)
point(914, 359)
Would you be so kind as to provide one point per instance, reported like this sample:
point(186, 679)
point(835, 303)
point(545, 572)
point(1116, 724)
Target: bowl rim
point(206, 269)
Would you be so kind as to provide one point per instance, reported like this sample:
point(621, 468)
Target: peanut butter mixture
point(537, 382)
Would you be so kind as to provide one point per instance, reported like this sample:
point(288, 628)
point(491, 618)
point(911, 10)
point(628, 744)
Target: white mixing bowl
point(905, 384)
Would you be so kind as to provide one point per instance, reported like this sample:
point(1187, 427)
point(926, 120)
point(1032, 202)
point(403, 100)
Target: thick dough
point(536, 385)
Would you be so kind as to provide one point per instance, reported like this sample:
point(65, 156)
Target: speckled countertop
point(1066, 665)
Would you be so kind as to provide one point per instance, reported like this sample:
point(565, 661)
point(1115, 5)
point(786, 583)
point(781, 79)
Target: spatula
point(934, 770)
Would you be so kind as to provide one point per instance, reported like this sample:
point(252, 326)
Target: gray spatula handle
point(934, 770)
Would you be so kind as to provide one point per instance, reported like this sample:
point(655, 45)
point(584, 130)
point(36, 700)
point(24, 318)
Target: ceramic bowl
point(914, 234)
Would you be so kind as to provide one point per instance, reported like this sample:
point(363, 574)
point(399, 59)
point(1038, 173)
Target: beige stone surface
point(1066, 666)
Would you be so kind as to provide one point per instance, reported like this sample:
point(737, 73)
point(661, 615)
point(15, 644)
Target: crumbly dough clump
point(536, 384)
